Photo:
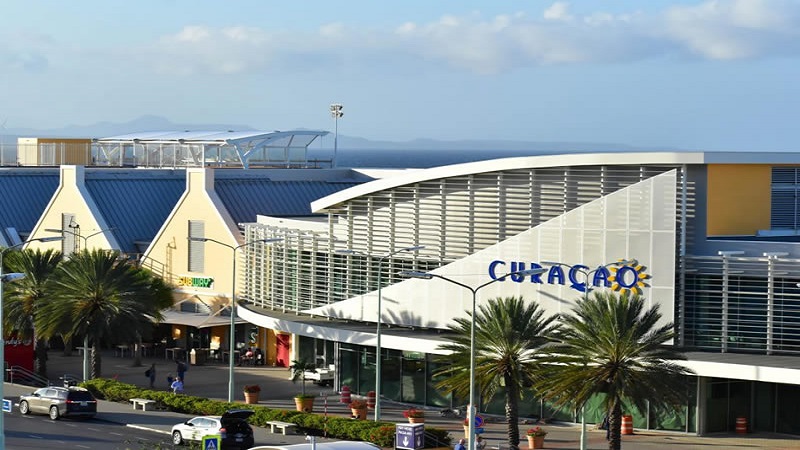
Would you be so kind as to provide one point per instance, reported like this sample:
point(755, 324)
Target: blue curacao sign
point(628, 275)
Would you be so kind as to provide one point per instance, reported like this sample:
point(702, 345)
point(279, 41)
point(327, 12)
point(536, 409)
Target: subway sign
point(201, 282)
point(622, 276)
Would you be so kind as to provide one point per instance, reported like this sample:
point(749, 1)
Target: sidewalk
point(211, 381)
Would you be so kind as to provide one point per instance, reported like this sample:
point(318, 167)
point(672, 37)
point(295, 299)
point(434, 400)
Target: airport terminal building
point(712, 238)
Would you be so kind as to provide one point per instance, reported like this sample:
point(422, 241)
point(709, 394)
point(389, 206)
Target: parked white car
point(232, 427)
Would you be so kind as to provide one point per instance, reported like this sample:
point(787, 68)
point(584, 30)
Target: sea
point(412, 158)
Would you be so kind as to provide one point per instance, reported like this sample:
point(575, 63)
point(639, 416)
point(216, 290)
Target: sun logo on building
point(628, 276)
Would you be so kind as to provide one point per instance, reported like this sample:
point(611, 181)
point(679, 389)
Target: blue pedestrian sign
point(7, 405)
point(211, 442)
point(478, 421)
point(410, 436)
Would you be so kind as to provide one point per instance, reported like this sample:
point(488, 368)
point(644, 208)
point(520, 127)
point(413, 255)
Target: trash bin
point(197, 357)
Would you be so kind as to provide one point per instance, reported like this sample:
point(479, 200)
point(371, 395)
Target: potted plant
point(251, 393)
point(536, 437)
point(414, 415)
point(359, 409)
point(298, 370)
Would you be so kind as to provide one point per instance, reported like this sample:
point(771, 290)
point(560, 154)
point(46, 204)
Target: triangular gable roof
point(135, 202)
point(25, 194)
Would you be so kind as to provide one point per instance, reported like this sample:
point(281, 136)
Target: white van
point(336, 445)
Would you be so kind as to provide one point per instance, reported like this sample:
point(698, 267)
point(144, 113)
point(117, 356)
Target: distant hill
point(157, 123)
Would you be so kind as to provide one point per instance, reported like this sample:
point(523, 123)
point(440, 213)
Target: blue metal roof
point(25, 194)
point(247, 198)
point(135, 202)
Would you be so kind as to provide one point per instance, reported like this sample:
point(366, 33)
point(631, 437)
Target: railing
point(21, 375)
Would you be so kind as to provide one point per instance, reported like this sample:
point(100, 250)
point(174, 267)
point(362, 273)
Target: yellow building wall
point(739, 201)
point(71, 198)
point(171, 246)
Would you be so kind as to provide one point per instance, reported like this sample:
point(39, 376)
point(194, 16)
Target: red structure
point(19, 352)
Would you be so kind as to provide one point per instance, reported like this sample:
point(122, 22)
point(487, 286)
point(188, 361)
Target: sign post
point(211, 442)
point(409, 436)
point(7, 405)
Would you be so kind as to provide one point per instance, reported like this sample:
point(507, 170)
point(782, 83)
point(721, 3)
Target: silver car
point(59, 402)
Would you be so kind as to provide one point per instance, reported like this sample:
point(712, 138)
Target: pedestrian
point(170, 379)
point(460, 445)
point(606, 425)
point(151, 373)
point(177, 386)
point(181, 369)
point(480, 444)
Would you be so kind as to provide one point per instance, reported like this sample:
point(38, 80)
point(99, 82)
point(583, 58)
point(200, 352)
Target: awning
point(197, 320)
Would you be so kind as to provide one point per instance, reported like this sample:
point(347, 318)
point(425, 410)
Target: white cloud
point(557, 11)
point(735, 29)
point(712, 29)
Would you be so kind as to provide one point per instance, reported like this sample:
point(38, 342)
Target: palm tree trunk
point(512, 411)
point(96, 362)
point(137, 352)
point(40, 362)
point(615, 424)
point(67, 345)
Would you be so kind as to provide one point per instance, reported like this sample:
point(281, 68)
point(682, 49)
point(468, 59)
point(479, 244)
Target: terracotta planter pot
point(304, 404)
point(360, 414)
point(251, 398)
point(535, 441)
point(416, 420)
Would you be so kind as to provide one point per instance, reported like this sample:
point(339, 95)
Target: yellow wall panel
point(738, 199)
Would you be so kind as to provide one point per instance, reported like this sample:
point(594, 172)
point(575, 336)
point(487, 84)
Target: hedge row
point(379, 433)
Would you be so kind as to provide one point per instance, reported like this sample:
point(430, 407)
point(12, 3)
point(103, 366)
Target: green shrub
point(379, 433)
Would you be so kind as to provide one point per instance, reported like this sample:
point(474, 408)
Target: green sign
point(203, 282)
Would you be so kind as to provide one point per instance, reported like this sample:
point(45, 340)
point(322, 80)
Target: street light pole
point(232, 336)
point(472, 387)
point(336, 113)
point(378, 350)
point(3, 278)
point(85, 238)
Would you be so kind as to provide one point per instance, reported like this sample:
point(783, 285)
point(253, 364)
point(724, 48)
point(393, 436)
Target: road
point(39, 432)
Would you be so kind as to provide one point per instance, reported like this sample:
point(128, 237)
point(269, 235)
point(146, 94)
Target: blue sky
point(707, 75)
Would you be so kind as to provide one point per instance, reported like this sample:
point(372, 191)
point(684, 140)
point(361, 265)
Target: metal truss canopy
point(206, 148)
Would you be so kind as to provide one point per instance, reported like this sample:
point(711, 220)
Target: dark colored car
point(59, 402)
point(232, 427)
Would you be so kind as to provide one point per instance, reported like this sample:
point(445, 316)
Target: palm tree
point(26, 296)
point(611, 345)
point(509, 334)
point(102, 296)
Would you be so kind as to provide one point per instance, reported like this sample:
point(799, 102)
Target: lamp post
point(78, 235)
point(472, 389)
point(336, 113)
point(587, 287)
point(232, 337)
point(3, 278)
point(378, 366)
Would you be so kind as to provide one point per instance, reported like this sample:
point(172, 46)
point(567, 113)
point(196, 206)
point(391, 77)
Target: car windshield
point(81, 396)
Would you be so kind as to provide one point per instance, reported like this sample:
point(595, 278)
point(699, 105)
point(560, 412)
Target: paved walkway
point(211, 381)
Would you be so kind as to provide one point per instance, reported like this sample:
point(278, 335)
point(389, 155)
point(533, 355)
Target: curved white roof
point(568, 159)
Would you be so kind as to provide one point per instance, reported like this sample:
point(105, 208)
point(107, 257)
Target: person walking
point(181, 369)
point(151, 373)
point(460, 445)
point(177, 386)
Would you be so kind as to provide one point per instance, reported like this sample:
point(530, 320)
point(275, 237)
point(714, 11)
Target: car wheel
point(24, 408)
point(54, 414)
point(177, 439)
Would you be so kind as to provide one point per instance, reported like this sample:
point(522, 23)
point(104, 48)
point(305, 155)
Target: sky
point(703, 75)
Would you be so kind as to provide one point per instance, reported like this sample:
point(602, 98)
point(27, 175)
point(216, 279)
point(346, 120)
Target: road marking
point(93, 429)
point(35, 436)
point(116, 434)
point(81, 446)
